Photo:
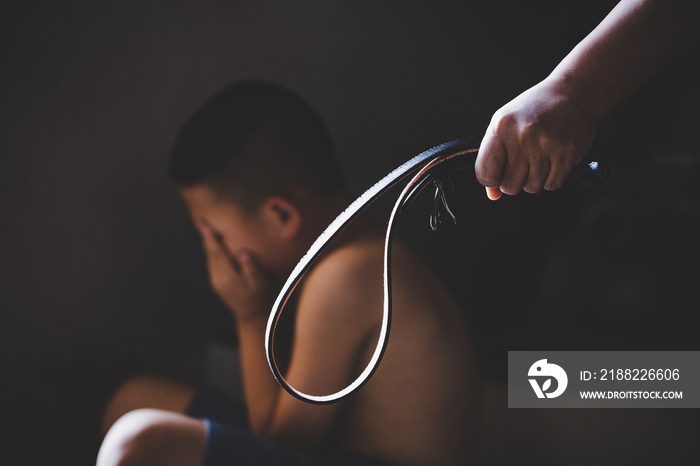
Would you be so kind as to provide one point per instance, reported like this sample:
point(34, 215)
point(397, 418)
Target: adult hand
point(534, 140)
point(236, 278)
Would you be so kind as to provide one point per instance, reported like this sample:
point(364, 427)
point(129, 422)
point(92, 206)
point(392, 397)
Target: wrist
point(580, 94)
point(251, 317)
point(246, 309)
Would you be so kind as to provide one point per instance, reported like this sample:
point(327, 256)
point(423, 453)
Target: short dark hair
point(298, 151)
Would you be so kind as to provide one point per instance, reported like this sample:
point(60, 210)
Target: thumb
point(493, 193)
point(490, 161)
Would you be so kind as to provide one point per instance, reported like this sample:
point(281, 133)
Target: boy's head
point(252, 140)
point(252, 163)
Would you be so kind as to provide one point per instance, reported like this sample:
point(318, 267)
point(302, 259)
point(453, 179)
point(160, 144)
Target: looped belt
point(425, 167)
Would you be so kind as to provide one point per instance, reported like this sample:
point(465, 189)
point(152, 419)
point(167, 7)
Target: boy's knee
point(149, 436)
point(146, 391)
point(130, 438)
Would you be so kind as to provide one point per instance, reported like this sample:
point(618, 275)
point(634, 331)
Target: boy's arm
point(329, 339)
point(241, 285)
point(535, 140)
point(338, 319)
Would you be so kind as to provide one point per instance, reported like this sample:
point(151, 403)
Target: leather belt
point(425, 167)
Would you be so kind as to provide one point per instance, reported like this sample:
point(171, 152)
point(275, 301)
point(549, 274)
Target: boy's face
point(240, 231)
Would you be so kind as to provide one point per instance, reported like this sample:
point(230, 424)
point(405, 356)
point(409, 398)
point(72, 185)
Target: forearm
point(628, 46)
point(260, 388)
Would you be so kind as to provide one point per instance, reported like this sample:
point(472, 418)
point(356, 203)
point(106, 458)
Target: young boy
point(256, 169)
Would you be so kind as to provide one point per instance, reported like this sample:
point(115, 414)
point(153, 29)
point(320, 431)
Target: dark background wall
point(102, 274)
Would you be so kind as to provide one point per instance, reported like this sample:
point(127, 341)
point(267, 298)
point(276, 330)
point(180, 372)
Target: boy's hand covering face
point(237, 278)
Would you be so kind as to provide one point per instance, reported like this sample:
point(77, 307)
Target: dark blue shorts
point(230, 442)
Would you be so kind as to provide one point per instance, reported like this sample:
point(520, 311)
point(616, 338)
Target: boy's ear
point(284, 215)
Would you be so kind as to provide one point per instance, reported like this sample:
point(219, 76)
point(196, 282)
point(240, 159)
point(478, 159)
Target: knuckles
point(509, 189)
point(532, 189)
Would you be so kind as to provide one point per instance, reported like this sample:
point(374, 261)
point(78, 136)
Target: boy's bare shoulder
point(349, 266)
point(353, 270)
point(346, 284)
point(353, 260)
